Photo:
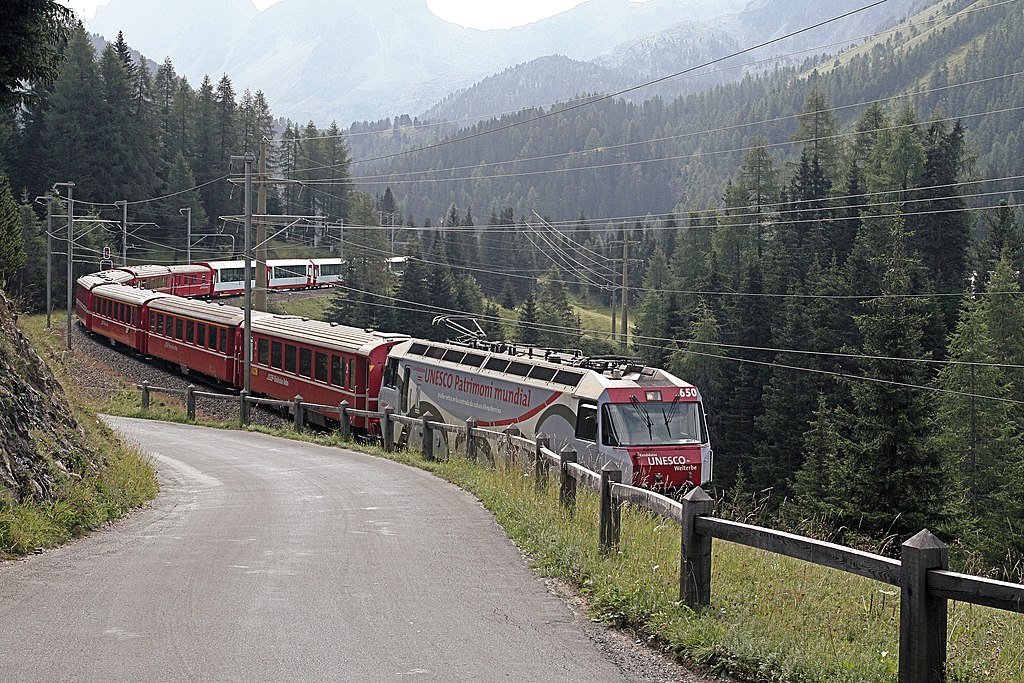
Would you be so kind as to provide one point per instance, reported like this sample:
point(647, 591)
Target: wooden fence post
point(567, 489)
point(611, 510)
point(922, 617)
point(695, 555)
point(243, 407)
point(190, 401)
point(471, 449)
point(297, 410)
point(540, 468)
point(513, 448)
point(344, 421)
point(386, 430)
point(428, 437)
point(145, 395)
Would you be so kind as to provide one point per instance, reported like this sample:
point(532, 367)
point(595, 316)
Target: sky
point(481, 14)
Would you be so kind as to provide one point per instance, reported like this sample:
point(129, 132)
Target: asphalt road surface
point(269, 559)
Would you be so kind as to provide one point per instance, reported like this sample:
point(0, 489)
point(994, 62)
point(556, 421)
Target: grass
point(90, 494)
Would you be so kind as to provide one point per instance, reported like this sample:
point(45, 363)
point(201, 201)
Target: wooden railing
point(922, 572)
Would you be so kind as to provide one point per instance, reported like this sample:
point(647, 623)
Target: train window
point(212, 341)
point(120, 312)
point(352, 383)
point(569, 378)
point(275, 356)
point(152, 322)
point(263, 355)
point(517, 368)
point(453, 356)
point(542, 373)
point(391, 373)
point(190, 331)
point(417, 349)
point(473, 359)
point(305, 362)
point(586, 422)
point(321, 367)
point(497, 364)
point(223, 341)
point(434, 352)
point(337, 373)
point(289, 358)
point(179, 329)
point(201, 334)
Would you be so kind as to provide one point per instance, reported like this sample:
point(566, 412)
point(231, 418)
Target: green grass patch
point(92, 493)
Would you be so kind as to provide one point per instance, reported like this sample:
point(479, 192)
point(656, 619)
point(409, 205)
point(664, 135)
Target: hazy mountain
point(348, 60)
point(352, 59)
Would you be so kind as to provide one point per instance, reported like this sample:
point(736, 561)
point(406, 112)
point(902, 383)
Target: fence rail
point(922, 572)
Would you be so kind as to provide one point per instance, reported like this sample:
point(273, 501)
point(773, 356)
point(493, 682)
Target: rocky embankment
point(40, 440)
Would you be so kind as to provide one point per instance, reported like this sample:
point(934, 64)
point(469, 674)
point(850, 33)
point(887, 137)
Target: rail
point(922, 572)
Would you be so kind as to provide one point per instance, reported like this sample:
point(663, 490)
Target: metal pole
point(188, 232)
point(247, 248)
point(123, 203)
point(71, 254)
point(625, 290)
point(49, 253)
point(261, 229)
point(49, 257)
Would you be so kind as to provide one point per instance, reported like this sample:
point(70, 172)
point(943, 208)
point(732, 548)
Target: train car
point(229, 277)
point(328, 271)
point(190, 280)
point(200, 337)
point(323, 362)
point(120, 314)
point(154, 278)
point(290, 274)
point(611, 410)
point(84, 286)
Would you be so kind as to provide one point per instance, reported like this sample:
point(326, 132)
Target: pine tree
point(897, 479)
point(526, 328)
point(655, 318)
point(12, 243)
point(559, 323)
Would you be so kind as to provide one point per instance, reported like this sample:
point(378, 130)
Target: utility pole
point(49, 253)
point(187, 212)
point(261, 230)
point(123, 203)
point(623, 289)
point(71, 251)
point(247, 258)
point(625, 293)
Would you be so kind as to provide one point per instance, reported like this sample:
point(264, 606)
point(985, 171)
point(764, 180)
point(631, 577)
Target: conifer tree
point(12, 244)
point(526, 328)
point(897, 479)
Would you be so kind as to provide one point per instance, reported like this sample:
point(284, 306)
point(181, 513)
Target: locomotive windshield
point(652, 424)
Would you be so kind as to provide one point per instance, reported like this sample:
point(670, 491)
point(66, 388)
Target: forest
point(841, 280)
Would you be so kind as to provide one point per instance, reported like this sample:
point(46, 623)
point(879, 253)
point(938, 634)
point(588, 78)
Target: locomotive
point(609, 409)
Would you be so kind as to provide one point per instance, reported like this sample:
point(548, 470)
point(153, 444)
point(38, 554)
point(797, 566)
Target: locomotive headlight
point(653, 395)
point(657, 476)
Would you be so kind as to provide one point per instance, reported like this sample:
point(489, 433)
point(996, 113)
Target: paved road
point(268, 559)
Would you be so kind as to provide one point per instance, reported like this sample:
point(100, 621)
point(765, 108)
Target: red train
point(323, 362)
point(611, 410)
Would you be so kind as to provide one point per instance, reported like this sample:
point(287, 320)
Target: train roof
point(147, 270)
point(218, 265)
point(203, 310)
point(190, 268)
point(327, 335)
point(128, 295)
point(104, 277)
point(288, 262)
point(585, 376)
